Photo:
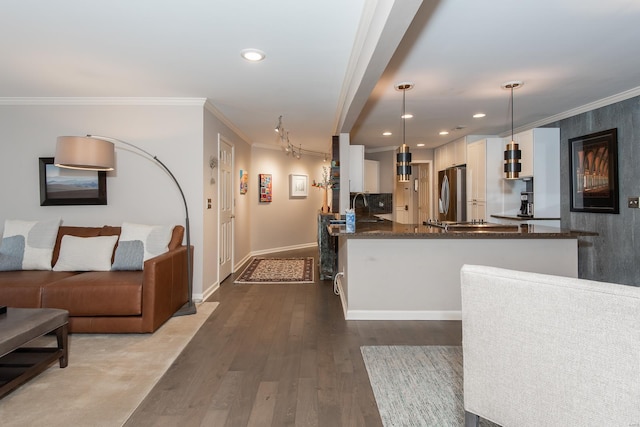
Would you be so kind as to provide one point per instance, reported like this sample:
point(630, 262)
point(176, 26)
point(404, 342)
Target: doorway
point(422, 193)
point(225, 208)
point(413, 200)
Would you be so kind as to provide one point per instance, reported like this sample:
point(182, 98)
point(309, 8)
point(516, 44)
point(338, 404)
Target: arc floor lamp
point(93, 152)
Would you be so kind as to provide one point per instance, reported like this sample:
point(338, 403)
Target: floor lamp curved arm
point(102, 158)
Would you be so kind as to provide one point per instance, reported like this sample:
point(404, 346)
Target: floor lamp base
point(187, 309)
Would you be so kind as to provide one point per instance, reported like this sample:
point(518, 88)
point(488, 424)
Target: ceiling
point(331, 65)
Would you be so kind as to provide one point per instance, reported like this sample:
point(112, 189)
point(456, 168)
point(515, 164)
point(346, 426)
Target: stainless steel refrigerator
point(452, 202)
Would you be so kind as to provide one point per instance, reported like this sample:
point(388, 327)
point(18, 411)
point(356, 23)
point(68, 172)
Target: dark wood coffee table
point(18, 326)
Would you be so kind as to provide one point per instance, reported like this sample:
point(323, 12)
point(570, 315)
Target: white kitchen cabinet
point(484, 178)
point(453, 153)
point(371, 176)
point(364, 175)
point(459, 152)
point(540, 159)
point(476, 211)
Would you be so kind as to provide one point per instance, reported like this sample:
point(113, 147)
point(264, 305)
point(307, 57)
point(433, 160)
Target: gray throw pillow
point(11, 253)
point(129, 255)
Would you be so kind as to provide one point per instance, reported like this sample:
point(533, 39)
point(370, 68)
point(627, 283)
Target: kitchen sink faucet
point(364, 200)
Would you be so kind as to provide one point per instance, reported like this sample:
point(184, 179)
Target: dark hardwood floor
point(278, 355)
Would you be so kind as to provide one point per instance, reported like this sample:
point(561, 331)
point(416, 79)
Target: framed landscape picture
point(60, 186)
point(593, 161)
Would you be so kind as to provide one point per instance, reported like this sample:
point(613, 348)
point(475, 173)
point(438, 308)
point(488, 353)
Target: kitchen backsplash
point(379, 203)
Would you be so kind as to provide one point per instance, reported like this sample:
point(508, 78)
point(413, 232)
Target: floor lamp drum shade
point(80, 152)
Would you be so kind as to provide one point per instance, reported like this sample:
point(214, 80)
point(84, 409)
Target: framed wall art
point(593, 162)
point(298, 185)
point(244, 181)
point(61, 186)
point(266, 195)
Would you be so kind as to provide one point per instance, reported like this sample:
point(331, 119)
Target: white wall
point(138, 191)
point(214, 130)
point(285, 223)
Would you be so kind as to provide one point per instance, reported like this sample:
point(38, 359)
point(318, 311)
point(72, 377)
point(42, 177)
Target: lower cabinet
point(476, 211)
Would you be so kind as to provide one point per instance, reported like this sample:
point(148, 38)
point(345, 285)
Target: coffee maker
point(526, 204)
point(526, 200)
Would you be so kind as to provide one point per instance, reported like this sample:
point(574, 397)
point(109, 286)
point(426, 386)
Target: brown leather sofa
point(105, 301)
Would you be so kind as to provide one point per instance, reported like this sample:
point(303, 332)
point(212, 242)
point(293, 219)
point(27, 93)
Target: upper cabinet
point(540, 159)
point(364, 175)
point(451, 154)
point(371, 176)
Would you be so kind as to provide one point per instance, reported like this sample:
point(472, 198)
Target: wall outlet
point(634, 202)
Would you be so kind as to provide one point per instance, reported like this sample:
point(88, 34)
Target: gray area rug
point(417, 385)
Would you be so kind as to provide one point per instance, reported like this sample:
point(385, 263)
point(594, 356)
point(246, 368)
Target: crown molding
point(267, 146)
point(102, 101)
point(619, 97)
point(208, 106)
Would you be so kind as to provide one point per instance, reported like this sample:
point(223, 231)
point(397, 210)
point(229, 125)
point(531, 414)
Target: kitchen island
point(392, 271)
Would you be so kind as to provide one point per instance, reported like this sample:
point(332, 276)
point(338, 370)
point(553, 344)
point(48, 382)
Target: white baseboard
point(401, 315)
point(285, 248)
point(238, 265)
point(207, 293)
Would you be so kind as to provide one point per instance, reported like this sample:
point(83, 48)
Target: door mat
point(278, 270)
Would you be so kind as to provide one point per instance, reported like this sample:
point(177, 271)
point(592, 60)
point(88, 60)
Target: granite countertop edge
point(392, 230)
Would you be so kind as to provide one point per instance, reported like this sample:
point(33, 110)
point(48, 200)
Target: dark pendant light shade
point(403, 164)
point(403, 158)
point(512, 153)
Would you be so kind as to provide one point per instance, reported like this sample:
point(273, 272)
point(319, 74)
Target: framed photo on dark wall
point(593, 161)
point(61, 186)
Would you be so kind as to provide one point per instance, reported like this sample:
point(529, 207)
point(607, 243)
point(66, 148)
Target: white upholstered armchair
point(543, 350)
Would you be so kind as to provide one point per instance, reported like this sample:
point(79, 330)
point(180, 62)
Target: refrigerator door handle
point(444, 196)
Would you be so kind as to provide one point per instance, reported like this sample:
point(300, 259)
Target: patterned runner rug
point(278, 270)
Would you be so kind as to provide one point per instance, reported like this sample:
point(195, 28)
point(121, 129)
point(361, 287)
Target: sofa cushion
point(99, 293)
point(23, 289)
point(28, 245)
point(138, 243)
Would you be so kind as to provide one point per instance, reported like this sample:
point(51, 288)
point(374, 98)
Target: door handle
point(232, 216)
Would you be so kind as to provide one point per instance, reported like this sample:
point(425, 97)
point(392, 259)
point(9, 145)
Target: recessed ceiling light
point(387, 133)
point(444, 132)
point(407, 116)
point(252, 55)
point(420, 145)
point(479, 115)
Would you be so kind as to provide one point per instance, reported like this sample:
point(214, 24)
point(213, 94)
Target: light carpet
point(278, 270)
point(107, 378)
point(417, 385)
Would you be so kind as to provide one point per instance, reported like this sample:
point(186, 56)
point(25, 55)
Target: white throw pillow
point(138, 243)
point(85, 253)
point(28, 245)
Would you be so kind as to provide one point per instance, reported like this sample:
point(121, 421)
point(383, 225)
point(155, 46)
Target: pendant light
point(403, 158)
point(512, 154)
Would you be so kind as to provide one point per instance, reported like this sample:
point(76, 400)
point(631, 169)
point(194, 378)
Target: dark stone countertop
point(523, 218)
point(384, 229)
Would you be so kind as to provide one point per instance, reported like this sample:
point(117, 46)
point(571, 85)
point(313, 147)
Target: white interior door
point(225, 203)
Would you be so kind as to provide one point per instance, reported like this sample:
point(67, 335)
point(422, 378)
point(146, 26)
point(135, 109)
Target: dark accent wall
point(613, 256)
